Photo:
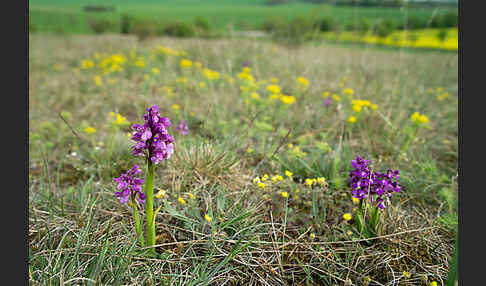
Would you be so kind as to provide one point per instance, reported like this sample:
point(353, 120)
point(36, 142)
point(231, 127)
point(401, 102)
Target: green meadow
point(69, 17)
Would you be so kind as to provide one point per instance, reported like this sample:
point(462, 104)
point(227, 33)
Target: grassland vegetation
point(257, 192)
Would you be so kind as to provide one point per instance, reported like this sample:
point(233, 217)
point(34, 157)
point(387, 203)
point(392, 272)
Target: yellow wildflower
point(87, 64)
point(288, 173)
point(175, 107)
point(284, 194)
point(374, 106)
point(325, 94)
point(312, 235)
point(287, 99)
point(356, 108)
point(347, 216)
point(336, 97)
point(155, 71)
point(273, 88)
point(309, 182)
point(191, 196)
point(198, 65)
point(140, 63)
point(207, 218)
point(348, 91)
point(255, 95)
point(265, 177)
point(321, 180)
point(256, 180)
point(352, 119)
point(433, 283)
point(89, 130)
point(302, 81)
point(182, 201)
point(161, 193)
point(202, 84)
point(297, 191)
point(185, 63)
point(406, 274)
point(279, 178)
point(355, 200)
point(261, 185)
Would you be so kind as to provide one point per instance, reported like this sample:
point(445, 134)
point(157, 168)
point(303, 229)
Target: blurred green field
point(69, 17)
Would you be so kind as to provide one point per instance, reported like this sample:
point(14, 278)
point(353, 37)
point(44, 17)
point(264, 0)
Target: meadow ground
point(217, 224)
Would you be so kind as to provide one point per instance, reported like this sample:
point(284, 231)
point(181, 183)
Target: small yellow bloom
point(279, 178)
point(89, 130)
point(302, 81)
point(87, 64)
point(161, 193)
point(355, 200)
point(261, 185)
point(255, 95)
point(374, 106)
point(325, 94)
point(265, 197)
point(291, 145)
point(265, 177)
point(155, 71)
point(348, 91)
point(275, 89)
point(249, 150)
point(321, 180)
point(312, 235)
point(297, 191)
point(352, 119)
point(274, 178)
point(433, 283)
point(175, 107)
point(347, 216)
point(202, 84)
point(198, 65)
point(191, 196)
point(284, 194)
point(349, 232)
point(182, 201)
point(256, 180)
point(357, 108)
point(287, 99)
point(309, 182)
point(406, 274)
point(288, 173)
point(185, 63)
point(336, 97)
point(207, 218)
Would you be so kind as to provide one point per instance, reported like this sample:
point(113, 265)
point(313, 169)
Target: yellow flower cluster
point(87, 64)
point(210, 74)
point(245, 74)
point(275, 89)
point(320, 180)
point(118, 119)
point(167, 51)
point(89, 130)
point(419, 119)
point(358, 104)
point(302, 82)
point(185, 63)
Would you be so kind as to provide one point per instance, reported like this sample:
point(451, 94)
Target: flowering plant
point(373, 191)
point(155, 144)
